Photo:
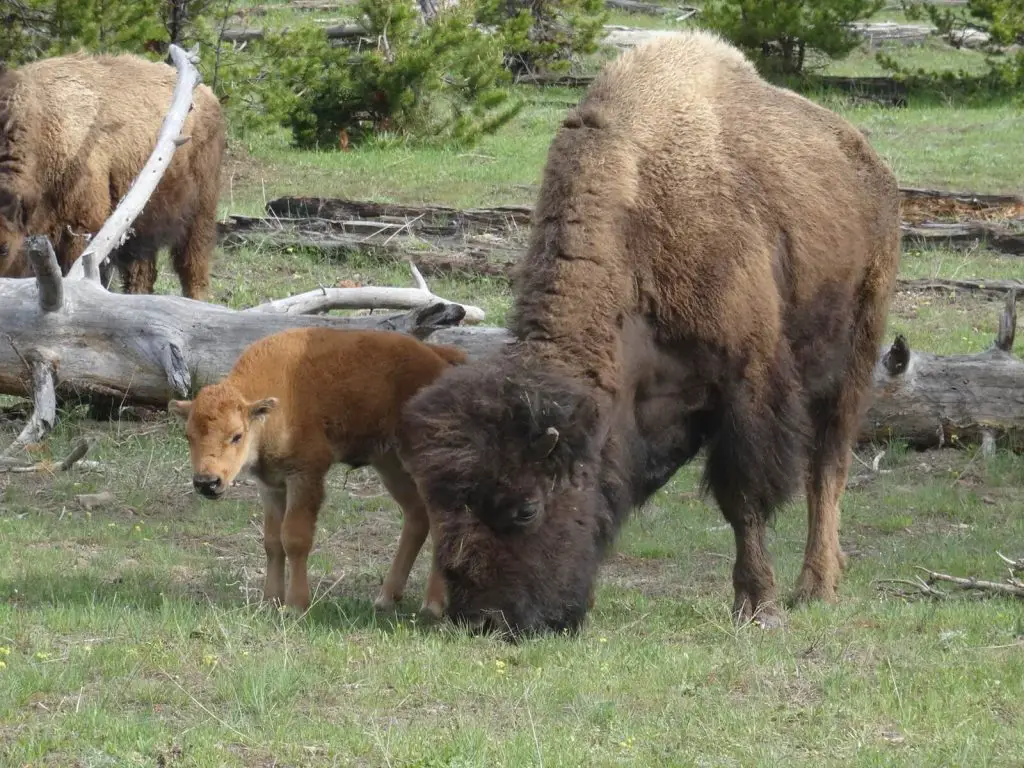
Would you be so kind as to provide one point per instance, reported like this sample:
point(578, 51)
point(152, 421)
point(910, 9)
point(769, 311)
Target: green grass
point(961, 148)
point(133, 633)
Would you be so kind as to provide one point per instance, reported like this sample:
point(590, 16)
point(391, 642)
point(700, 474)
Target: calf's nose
point(207, 485)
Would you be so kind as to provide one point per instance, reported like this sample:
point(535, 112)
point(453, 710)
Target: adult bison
point(710, 266)
point(75, 132)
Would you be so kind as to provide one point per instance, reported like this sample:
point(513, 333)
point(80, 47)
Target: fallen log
point(969, 234)
point(949, 285)
point(367, 297)
point(422, 218)
point(974, 200)
point(503, 217)
point(494, 245)
point(650, 9)
point(931, 401)
point(143, 348)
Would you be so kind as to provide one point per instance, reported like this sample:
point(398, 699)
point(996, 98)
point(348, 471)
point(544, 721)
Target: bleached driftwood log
point(932, 401)
point(145, 348)
point(368, 297)
point(115, 229)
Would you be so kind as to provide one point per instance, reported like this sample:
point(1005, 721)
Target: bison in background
point(75, 131)
point(710, 266)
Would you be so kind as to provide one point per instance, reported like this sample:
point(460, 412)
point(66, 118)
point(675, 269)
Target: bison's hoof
point(767, 615)
point(811, 587)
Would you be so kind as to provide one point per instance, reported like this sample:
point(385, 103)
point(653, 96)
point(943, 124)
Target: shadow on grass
point(152, 591)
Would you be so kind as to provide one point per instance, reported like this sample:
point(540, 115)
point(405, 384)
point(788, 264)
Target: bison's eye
point(236, 439)
point(527, 513)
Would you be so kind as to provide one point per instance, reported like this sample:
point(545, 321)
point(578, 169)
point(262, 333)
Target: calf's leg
point(305, 494)
point(415, 527)
point(274, 506)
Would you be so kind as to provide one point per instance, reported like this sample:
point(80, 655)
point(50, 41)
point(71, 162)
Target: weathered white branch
point(367, 297)
point(115, 230)
point(42, 369)
point(48, 279)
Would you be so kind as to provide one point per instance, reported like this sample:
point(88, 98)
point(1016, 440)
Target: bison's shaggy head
point(507, 457)
point(220, 426)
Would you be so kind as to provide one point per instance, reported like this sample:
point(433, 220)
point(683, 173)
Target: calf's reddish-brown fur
point(75, 132)
point(294, 404)
point(710, 267)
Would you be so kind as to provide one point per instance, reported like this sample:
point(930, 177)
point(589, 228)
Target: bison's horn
point(545, 444)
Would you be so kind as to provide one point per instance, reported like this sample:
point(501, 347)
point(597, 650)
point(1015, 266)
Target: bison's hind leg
point(191, 258)
point(415, 527)
point(136, 262)
point(836, 419)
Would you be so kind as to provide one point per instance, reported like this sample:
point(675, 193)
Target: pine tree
point(779, 33)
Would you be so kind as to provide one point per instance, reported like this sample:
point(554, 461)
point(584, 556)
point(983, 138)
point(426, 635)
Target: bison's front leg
point(305, 494)
point(752, 575)
point(274, 506)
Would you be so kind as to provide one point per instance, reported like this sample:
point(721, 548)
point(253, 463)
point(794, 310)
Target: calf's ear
point(261, 408)
point(180, 408)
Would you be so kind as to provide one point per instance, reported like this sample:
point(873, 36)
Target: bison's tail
point(453, 355)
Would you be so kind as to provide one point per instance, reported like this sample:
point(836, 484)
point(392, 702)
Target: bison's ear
point(180, 408)
point(261, 408)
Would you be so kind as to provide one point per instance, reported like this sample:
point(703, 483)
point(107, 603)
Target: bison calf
point(75, 132)
point(296, 403)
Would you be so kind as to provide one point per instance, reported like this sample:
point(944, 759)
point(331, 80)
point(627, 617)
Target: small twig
point(1016, 566)
point(921, 588)
point(972, 583)
point(74, 457)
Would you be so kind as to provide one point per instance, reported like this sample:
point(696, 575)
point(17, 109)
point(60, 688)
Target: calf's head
point(221, 428)
point(507, 458)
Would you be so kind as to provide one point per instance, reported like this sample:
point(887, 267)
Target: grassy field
point(131, 633)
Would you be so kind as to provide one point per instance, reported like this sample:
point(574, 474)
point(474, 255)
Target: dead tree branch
point(1011, 587)
point(367, 297)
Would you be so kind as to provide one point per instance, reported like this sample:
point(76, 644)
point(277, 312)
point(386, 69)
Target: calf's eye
point(236, 439)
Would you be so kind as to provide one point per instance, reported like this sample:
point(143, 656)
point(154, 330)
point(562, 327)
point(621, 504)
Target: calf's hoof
point(432, 610)
point(384, 603)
